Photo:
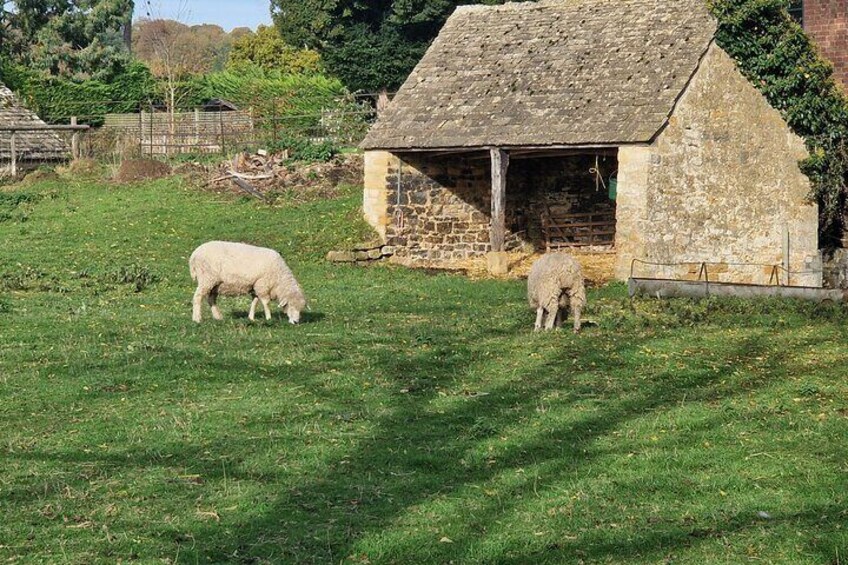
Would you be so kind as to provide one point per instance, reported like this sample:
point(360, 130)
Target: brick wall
point(827, 22)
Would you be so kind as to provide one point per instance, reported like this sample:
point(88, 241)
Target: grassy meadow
point(412, 418)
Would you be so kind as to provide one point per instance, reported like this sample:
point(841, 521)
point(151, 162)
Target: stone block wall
point(437, 208)
point(721, 184)
point(375, 205)
point(827, 22)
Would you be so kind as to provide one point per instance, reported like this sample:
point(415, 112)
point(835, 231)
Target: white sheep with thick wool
point(556, 284)
point(225, 268)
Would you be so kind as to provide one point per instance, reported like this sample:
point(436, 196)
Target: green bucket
point(613, 187)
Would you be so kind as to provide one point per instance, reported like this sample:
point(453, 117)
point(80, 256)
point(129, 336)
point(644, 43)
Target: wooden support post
point(500, 165)
point(13, 150)
point(197, 127)
point(75, 152)
point(498, 264)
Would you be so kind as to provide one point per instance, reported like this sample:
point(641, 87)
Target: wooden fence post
point(75, 149)
point(13, 150)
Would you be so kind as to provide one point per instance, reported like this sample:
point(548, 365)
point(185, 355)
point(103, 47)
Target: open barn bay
point(412, 418)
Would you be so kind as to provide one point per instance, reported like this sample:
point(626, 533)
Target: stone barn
point(614, 126)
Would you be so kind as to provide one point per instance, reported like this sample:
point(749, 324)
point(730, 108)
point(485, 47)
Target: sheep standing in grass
point(555, 284)
point(232, 269)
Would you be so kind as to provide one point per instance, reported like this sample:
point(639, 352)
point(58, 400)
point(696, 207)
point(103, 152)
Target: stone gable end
point(720, 184)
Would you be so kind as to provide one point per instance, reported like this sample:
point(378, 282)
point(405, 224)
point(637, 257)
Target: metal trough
point(665, 288)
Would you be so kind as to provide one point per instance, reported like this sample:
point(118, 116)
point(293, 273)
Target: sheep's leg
point(553, 312)
point(252, 314)
point(212, 299)
point(196, 304)
point(540, 317)
point(576, 312)
point(265, 303)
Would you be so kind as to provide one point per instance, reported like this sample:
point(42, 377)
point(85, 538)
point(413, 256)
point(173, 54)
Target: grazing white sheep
point(232, 269)
point(556, 283)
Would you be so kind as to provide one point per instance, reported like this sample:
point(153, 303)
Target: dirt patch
point(598, 268)
point(133, 170)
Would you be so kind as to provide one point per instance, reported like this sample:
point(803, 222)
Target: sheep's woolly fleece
point(232, 269)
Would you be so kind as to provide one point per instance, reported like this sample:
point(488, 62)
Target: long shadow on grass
point(423, 454)
point(435, 449)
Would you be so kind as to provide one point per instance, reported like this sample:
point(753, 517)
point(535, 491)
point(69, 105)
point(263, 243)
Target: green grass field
point(413, 418)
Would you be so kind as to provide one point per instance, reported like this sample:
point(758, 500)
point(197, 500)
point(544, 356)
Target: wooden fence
point(163, 133)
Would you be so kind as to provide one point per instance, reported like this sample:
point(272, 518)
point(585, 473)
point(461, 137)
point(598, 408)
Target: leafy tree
point(369, 44)
point(267, 49)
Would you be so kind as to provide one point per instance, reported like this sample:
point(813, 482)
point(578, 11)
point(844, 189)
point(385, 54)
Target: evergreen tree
point(78, 39)
point(267, 50)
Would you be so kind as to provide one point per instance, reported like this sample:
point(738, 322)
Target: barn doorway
point(564, 201)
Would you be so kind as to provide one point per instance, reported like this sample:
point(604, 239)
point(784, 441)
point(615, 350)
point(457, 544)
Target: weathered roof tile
point(556, 72)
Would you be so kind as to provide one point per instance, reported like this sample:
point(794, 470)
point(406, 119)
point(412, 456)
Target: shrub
point(55, 99)
point(303, 149)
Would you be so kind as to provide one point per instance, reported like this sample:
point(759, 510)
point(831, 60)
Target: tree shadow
point(432, 441)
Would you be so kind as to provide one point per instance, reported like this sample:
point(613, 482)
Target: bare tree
point(168, 47)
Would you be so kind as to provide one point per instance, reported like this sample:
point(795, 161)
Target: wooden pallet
point(565, 231)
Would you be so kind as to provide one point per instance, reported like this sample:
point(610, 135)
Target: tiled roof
point(29, 146)
point(556, 72)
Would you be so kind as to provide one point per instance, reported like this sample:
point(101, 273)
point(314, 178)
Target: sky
point(228, 14)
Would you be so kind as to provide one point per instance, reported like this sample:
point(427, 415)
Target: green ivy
point(778, 57)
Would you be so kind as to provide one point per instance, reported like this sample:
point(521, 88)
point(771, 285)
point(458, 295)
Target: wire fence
point(166, 134)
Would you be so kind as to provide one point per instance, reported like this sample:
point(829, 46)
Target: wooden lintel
point(500, 166)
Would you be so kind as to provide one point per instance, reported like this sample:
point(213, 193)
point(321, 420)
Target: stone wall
point(827, 22)
point(437, 208)
point(721, 184)
point(374, 203)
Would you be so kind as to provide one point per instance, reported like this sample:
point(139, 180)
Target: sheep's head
point(294, 306)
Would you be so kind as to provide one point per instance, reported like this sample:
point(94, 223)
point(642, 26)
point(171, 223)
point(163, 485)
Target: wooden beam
point(500, 166)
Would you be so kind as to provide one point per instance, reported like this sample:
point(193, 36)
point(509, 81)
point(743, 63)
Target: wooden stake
point(14, 153)
point(75, 153)
point(500, 166)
